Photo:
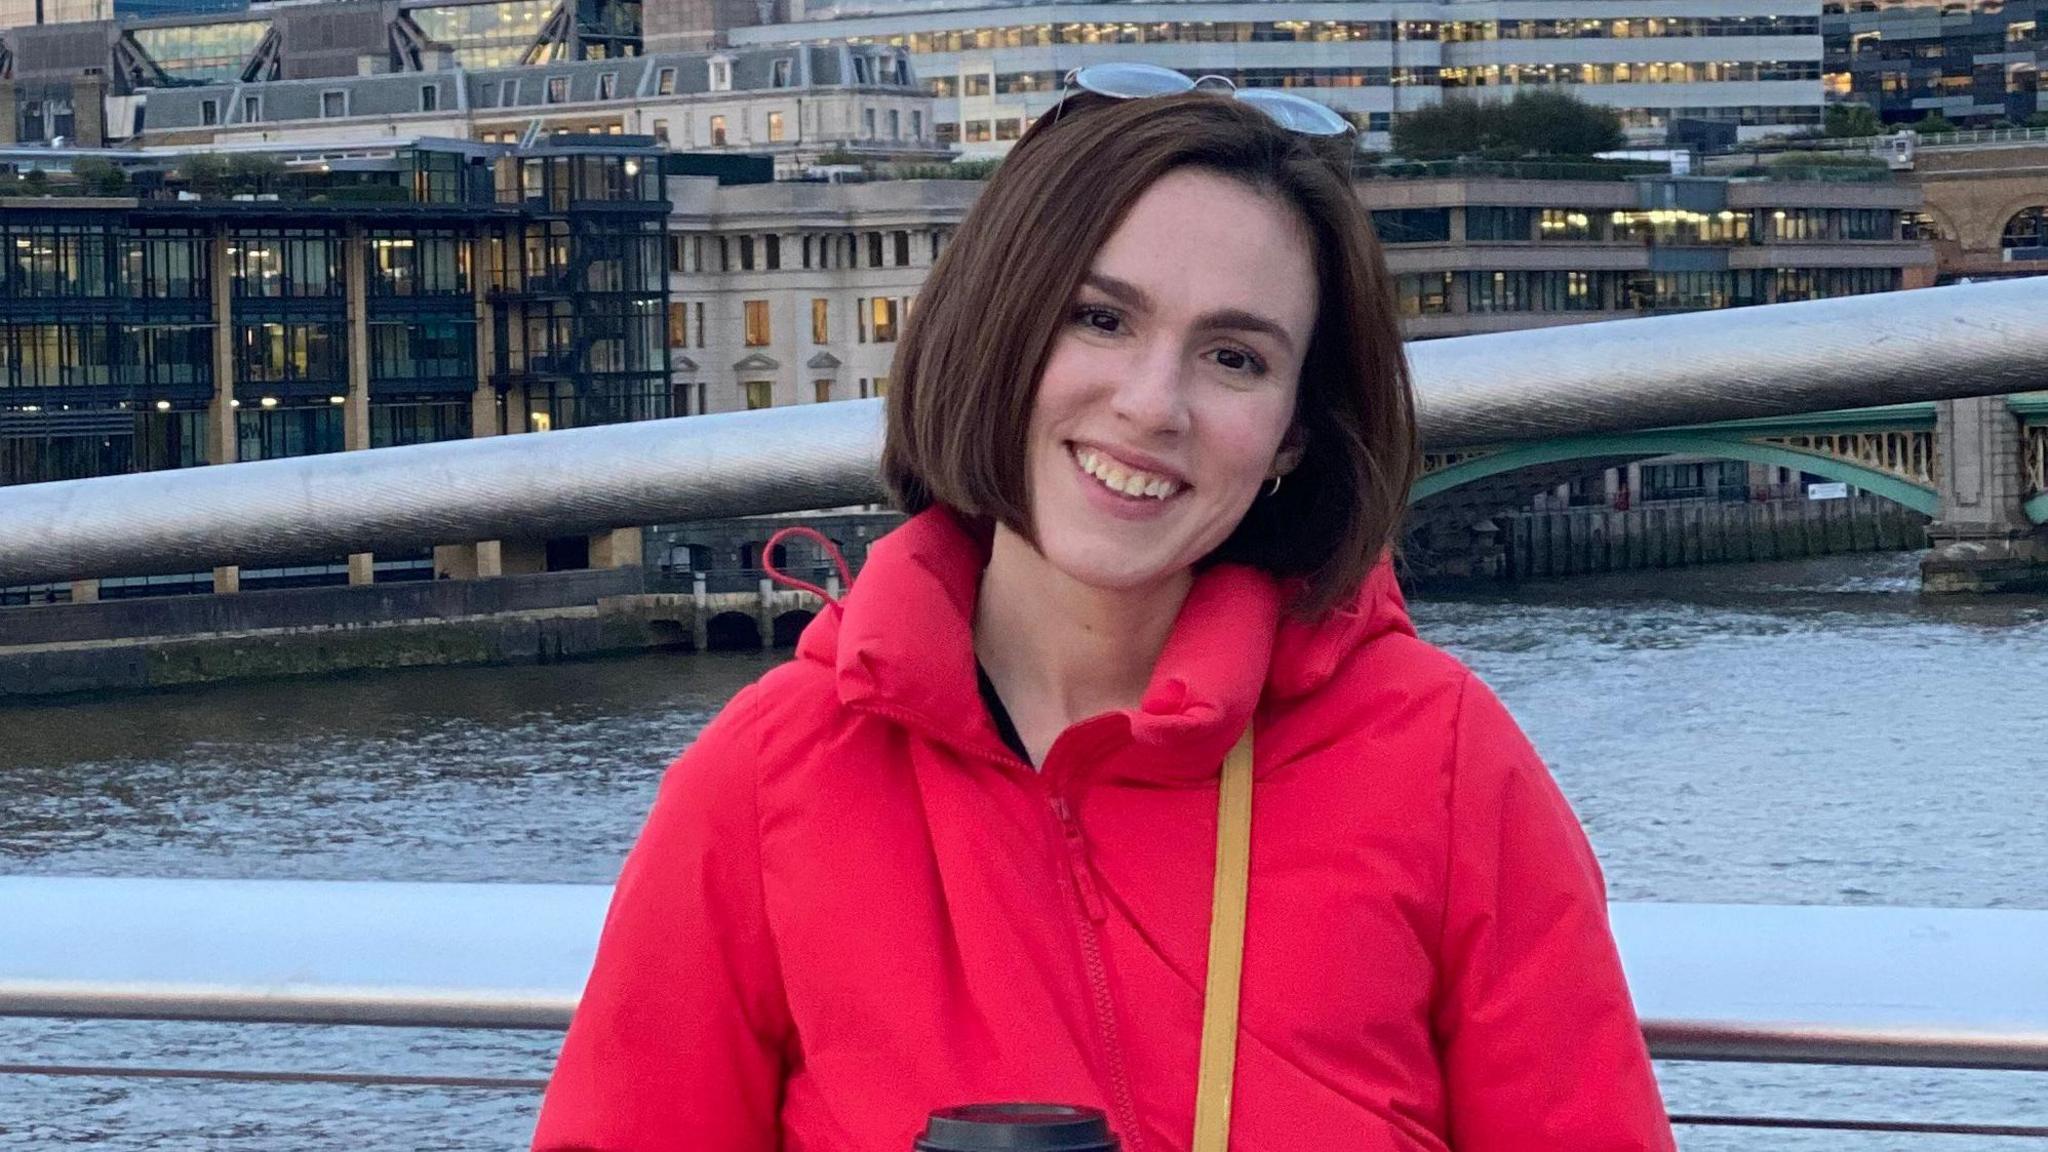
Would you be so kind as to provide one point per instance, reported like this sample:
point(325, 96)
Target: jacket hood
point(900, 644)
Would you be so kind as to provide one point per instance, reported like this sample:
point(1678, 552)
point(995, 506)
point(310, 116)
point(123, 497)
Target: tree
point(1934, 124)
point(1548, 122)
point(252, 172)
point(1545, 123)
point(101, 177)
point(206, 172)
point(1852, 120)
point(2038, 120)
point(1452, 128)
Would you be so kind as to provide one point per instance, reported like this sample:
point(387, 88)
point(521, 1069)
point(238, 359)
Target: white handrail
point(1920, 987)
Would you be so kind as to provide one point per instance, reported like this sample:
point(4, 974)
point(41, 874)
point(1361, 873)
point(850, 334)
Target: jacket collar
point(901, 645)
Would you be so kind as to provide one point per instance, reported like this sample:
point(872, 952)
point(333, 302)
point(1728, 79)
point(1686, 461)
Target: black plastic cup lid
point(1017, 1128)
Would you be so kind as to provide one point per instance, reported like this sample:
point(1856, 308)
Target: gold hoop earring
point(1273, 488)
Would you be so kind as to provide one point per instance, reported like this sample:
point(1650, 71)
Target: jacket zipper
point(1093, 914)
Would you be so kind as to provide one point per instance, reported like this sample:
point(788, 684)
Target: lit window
point(821, 320)
point(883, 313)
point(665, 82)
point(718, 131)
point(757, 324)
point(661, 131)
point(774, 127)
point(821, 391)
point(678, 325)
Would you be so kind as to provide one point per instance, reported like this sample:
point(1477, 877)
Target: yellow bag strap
point(1226, 949)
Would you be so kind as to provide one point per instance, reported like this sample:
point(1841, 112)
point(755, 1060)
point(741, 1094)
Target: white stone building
point(797, 293)
point(797, 103)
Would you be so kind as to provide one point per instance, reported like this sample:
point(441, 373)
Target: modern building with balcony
point(165, 311)
point(1479, 247)
point(1755, 64)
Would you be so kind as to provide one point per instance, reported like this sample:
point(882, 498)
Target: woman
point(1153, 422)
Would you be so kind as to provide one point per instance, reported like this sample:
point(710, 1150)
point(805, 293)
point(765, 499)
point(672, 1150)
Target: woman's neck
point(1059, 651)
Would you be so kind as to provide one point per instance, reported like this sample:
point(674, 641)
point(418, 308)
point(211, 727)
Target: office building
point(1754, 64)
point(169, 310)
point(1975, 63)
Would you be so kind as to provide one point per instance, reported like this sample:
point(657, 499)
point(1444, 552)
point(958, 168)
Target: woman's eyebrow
point(1224, 319)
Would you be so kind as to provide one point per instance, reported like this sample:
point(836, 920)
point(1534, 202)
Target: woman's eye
point(1238, 360)
point(1100, 319)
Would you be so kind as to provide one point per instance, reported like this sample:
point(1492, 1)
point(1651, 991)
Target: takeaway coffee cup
point(1016, 1128)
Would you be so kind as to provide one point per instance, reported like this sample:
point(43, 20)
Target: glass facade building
point(1481, 253)
point(455, 290)
point(1976, 63)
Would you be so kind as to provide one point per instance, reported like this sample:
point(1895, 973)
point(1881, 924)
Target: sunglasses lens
point(1129, 81)
point(1296, 113)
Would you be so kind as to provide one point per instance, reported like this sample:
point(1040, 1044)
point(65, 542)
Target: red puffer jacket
point(853, 904)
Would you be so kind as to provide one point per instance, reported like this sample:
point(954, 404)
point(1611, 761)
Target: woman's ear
point(1291, 449)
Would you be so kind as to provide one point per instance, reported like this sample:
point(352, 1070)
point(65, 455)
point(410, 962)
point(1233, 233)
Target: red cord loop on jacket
point(825, 545)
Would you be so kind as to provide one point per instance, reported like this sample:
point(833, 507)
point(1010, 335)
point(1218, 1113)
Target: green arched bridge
point(1894, 452)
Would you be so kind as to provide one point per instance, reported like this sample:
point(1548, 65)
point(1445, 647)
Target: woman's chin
point(1112, 567)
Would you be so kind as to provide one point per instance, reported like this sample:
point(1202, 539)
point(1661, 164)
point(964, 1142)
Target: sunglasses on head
point(1137, 81)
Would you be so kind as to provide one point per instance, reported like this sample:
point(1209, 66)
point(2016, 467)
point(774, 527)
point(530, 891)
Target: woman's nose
point(1152, 394)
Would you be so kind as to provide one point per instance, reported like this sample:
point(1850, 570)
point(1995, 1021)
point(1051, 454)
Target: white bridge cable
point(1613, 376)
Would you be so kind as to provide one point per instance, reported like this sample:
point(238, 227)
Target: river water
point(1811, 732)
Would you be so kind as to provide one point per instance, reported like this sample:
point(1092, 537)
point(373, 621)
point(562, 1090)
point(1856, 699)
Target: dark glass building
point(1974, 62)
point(164, 314)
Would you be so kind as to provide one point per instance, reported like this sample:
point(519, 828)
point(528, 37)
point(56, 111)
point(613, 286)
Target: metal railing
point(1872, 986)
point(1617, 376)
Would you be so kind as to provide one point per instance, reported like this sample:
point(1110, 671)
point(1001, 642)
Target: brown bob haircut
point(966, 374)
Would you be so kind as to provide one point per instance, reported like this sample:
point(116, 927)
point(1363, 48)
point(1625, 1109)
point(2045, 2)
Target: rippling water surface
point(1800, 733)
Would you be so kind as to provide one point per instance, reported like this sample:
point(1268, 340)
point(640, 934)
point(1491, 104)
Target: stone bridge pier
point(1984, 540)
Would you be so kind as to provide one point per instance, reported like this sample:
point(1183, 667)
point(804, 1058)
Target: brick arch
point(2037, 200)
point(1944, 224)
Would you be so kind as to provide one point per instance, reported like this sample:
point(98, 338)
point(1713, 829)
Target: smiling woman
point(1154, 426)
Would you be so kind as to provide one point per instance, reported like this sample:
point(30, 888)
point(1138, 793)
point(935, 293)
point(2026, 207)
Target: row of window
point(68, 261)
point(1477, 76)
point(696, 253)
point(94, 353)
point(1696, 72)
point(761, 393)
point(1437, 293)
point(1339, 31)
point(158, 440)
point(877, 320)
point(1655, 226)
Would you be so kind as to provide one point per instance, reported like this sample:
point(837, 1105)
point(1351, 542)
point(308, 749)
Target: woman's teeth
point(1128, 481)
